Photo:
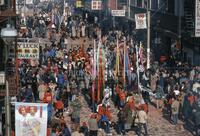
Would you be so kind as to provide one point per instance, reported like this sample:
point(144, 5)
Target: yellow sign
point(79, 4)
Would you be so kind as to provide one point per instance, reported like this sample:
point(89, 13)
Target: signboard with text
point(197, 18)
point(79, 4)
point(140, 21)
point(118, 13)
point(26, 50)
point(96, 5)
point(29, 1)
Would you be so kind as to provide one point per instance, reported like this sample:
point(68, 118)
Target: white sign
point(29, 1)
point(96, 5)
point(118, 13)
point(28, 50)
point(2, 2)
point(197, 18)
point(2, 78)
point(140, 21)
point(30, 119)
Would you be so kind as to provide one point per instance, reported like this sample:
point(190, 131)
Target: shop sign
point(118, 13)
point(26, 50)
point(96, 5)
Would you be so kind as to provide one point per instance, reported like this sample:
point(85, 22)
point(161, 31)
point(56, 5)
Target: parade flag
point(127, 64)
point(100, 71)
point(140, 21)
point(30, 119)
point(94, 60)
point(117, 61)
point(124, 60)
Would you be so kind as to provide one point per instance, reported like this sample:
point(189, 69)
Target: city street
point(99, 68)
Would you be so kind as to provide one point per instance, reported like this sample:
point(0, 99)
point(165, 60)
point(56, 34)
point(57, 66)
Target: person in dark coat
point(121, 121)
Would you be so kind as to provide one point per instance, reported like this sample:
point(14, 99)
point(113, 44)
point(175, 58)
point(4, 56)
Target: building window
point(140, 3)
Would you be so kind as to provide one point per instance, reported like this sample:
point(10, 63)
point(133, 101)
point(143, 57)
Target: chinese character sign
point(197, 18)
point(79, 4)
point(140, 21)
point(96, 5)
point(30, 119)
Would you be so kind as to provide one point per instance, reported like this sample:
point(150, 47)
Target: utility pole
point(8, 119)
point(148, 32)
point(129, 9)
point(179, 21)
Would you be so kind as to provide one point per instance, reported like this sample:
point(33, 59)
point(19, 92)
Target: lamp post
point(6, 34)
point(148, 32)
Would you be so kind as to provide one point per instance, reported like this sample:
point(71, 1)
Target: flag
point(100, 71)
point(117, 61)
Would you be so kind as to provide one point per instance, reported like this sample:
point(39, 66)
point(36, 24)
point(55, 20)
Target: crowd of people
point(64, 74)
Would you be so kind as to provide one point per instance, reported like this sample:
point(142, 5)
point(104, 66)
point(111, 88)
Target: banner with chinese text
point(30, 119)
point(197, 18)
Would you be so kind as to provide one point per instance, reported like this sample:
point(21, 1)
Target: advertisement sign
point(140, 21)
point(118, 13)
point(96, 5)
point(197, 18)
point(26, 50)
point(79, 4)
point(30, 119)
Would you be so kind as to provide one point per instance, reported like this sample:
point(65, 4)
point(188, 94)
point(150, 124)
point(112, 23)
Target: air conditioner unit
point(2, 2)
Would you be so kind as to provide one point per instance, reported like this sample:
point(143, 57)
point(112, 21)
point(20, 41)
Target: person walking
point(76, 109)
point(93, 125)
point(121, 120)
point(142, 119)
point(175, 111)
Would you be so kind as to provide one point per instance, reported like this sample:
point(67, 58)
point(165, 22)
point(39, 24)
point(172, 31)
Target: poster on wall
point(140, 21)
point(197, 18)
point(26, 50)
point(30, 119)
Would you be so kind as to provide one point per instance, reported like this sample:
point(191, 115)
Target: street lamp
point(8, 34)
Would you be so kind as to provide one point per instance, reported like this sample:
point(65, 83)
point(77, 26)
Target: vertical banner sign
point(197, 18)
point(30, 119)
point(96, 5)
point(140, 21)
point(28, 50)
